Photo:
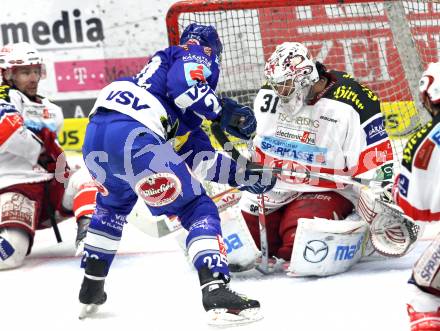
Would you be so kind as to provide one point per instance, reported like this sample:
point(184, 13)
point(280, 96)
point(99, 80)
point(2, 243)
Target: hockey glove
point(256, 182)
point(237, 120)
point(51, 150)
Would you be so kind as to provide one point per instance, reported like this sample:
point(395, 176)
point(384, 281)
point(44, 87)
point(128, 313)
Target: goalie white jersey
point(416, 187)
point(19, 149)
point(340, 132)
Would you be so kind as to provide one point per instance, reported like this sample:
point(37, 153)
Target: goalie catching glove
point(392, 233)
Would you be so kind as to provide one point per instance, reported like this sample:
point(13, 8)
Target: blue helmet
point(205, 35)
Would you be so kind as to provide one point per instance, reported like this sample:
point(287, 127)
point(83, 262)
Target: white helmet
point(291, 61)
point(19, 54)
point(429, 86)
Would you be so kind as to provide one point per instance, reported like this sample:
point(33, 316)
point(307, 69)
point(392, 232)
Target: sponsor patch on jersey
point(207, 51)
point(403, 185)
point(412, 145)
point(328, 119)
point(436, 136)
point(296, 151)
point(6, 250)
point(4, 92)
point(300, 122)
point(160, 189)
point(423, 155)
point(7, 108)
point(375, 130)
point(195, 72)
point(306, 137)
point(346, 93)
point(197, 58)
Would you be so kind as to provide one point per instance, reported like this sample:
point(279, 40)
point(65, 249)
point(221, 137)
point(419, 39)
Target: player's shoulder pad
point(4, 93)
point(198, 54)
point(419, 147)
point(347, 90)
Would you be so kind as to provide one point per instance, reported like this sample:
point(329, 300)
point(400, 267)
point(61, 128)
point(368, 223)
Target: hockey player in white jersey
point(326, 122)
point(417, 192)
point(32, 195)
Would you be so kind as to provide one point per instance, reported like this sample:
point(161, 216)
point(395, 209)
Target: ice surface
point(152, 287)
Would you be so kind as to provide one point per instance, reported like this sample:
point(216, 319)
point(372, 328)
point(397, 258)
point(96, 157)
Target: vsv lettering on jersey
point(126, 98)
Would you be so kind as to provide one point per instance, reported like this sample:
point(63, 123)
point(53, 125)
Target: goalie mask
point(204, 35)
point(429, 88)
point(291, 72)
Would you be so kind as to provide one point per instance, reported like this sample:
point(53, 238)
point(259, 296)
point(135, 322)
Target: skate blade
point(221, 318)
point(87, 310)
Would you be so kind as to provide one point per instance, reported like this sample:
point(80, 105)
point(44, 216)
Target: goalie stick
point(161, 226)
point(223, 140)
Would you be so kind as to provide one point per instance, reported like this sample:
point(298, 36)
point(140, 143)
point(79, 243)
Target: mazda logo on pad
point(315, 251)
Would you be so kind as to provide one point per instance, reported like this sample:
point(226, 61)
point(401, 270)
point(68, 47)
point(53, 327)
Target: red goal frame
point(190, 6)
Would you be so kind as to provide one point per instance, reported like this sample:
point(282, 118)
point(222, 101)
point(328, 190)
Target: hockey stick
point(158, 227)
point(223, 140)
point(305, 175)
point(263, 267)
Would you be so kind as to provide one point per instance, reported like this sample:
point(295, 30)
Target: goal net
point(383, 44)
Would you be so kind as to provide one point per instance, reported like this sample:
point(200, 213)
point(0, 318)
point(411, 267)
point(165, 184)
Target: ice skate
point(92, 294)
point(224, 306)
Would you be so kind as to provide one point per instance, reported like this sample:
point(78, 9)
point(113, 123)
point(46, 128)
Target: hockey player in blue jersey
point(143, 137)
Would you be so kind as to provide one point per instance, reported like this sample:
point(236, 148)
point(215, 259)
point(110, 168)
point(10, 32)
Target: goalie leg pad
point(327, 205)
point(240, 246)
point(325, 248)
point(14, 244)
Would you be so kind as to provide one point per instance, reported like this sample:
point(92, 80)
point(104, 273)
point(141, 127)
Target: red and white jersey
point(19, 148)
point(416, 189)
point(340, 132)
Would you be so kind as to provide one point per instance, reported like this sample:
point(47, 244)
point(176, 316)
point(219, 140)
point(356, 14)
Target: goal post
point(383, 44)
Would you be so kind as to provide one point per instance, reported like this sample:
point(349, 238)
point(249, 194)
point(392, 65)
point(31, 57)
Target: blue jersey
point(171, 96)
point(143, 137)
point(184, 78)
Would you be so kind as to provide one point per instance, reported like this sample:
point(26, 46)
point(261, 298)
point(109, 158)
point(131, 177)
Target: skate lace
point(228, 288)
